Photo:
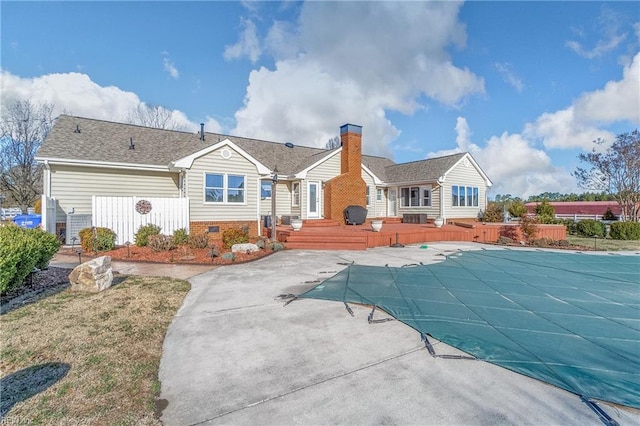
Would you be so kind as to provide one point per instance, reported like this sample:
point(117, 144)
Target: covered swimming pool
point(569, 319)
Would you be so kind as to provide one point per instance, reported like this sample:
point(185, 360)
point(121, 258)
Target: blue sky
point(524, 86)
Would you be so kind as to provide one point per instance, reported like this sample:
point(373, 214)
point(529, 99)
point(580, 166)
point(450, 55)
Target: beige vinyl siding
point(321, 173)
point(283, 200)
point(462, 175)
point(215, 163)
point(73, 186)
point(375, 208)
point(432, 212)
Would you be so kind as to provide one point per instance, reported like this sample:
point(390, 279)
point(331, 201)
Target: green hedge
point(625, 231)
point(144, 232)
point(591, 227)
point(21, 250)
point(104, 239)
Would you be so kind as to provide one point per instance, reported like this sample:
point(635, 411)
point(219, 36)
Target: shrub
point(508, 232)
point(570, 224)
point(505, 240)
point(544, 209)
point(233, 236)
point(493, 213)
point(199, 241)
point(517, 209)
point(590, 228)
point(102, 240)
point(528, 227)
point(180, 237)
point(161, 242)
point(21, 250)
point(608, 215)
point(625, 231)
point(142, 236)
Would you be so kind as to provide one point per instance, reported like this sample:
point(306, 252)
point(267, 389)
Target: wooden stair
point(318, 241)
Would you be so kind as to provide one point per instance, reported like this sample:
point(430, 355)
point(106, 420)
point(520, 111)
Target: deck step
point(315, 223)
point(317, 241)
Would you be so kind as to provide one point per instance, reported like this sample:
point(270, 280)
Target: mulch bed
point(183, 254)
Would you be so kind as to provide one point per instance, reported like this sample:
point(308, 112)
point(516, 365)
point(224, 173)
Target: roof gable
point(187, 162)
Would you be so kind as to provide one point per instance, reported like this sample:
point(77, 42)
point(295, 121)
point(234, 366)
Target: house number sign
point(143, 206)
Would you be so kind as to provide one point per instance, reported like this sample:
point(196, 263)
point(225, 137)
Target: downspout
point(47, 180)
point(443, 214)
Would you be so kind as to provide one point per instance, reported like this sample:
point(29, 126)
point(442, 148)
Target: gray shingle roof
point(105, 141)
point(423, 170)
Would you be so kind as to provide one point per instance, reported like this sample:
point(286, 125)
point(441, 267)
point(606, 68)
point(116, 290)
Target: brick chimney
point(348, 188)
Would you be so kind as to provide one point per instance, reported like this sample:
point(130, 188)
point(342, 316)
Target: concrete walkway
point(181, 271)
point(235, 355)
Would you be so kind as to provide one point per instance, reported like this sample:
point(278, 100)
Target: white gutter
point(103, 164)
point(443, 214)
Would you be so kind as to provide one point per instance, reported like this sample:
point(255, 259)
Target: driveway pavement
point(235, 354)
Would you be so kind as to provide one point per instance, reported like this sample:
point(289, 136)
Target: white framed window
point(295, 194)
point(379, 194)
point(265, 189)
point(224, 188)
point(415, 196)
point(464, 196)
point(368, 196)
point(426, 197)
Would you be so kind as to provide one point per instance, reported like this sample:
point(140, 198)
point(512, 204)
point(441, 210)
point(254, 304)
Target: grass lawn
point(76, 358)
point(604, 244)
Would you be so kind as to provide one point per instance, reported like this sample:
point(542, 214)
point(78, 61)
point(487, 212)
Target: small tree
point(545, 212)
point(616, 171)
point(528, 227)
point(493, 213)
point(517, 208)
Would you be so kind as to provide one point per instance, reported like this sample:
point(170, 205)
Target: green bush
point(544, 209)
point(161, 242)
point(493, 213)
point(180, 237)
point(590, 228)
point(233, 236)
point(21, 250)
point(199, 241)
point(570, 224)
point(517, 209)
point(142, 236)
point(104, 239)
point(625, 231)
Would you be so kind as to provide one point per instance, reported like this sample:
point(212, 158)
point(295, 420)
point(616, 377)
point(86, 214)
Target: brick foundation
point(201, 227)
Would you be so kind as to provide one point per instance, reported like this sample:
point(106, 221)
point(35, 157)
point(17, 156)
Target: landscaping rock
point(229, 256)
point(93, 276)
point(244, 248)
point(277, 246)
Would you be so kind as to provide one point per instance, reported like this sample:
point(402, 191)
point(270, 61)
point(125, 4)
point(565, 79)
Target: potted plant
point(376, 225)
point(439, 221)
point(296, 224)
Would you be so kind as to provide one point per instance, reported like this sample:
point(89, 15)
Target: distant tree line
point(557, 197)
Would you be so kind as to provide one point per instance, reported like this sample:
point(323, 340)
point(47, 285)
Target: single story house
point(228, 179)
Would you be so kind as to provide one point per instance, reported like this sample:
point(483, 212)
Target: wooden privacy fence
point(125, 215)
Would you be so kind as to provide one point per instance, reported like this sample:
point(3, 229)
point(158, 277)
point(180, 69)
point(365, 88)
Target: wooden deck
point(328, 235)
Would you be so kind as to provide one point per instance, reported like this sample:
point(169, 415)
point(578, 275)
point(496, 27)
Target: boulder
point(244, 248)
point(93, 276)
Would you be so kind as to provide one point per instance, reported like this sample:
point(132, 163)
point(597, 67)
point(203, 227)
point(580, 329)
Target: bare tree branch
point(617, 171)
point(23, 127)
point(155, 116)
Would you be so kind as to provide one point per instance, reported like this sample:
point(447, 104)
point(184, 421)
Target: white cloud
point(338, 66)
point(512, 163)
point(577, 125)
point(169, 66)
point(509, 76)
point(609, 24)
point(75, 93)
point(248, 45)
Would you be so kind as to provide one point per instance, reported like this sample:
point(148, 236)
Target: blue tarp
point(569, 319)
point(28, 220)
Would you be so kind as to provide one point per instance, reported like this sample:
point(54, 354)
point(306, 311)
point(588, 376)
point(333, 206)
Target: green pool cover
point(572, 320)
